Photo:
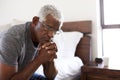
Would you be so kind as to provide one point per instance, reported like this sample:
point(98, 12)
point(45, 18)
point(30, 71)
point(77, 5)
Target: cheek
point(41, 35)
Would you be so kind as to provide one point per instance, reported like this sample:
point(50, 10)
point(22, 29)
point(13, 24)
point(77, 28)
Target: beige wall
point(72, 10)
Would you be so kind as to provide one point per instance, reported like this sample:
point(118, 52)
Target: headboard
point(83, 47)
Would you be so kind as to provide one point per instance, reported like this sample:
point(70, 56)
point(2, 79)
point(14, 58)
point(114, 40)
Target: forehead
point(51, 21)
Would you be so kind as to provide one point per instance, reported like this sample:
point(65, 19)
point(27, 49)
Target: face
point(47, 29)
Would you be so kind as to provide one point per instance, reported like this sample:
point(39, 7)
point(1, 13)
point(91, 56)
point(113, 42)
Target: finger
point(55, 56)
point(56, 49)
point(52, 47)
point(46, 44)
point(52, 58)
point(52, 53)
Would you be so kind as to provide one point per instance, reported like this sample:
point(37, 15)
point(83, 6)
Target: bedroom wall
point(72, 10)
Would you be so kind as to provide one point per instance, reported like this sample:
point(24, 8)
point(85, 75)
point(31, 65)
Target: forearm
point(28, 71)
point(50, 70)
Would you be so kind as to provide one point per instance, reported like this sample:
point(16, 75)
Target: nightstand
point(99, 72)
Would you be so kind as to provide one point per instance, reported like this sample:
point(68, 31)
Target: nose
point(51, 34)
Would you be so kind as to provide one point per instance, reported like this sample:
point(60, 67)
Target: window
point(110, 13)
point(110, 22)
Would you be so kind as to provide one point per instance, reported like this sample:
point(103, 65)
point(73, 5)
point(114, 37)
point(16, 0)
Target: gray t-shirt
point(16, 47)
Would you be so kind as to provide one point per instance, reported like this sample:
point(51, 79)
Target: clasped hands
point(47, 51)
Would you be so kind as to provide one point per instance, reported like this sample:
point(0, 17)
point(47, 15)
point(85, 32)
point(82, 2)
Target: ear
point(35, 20)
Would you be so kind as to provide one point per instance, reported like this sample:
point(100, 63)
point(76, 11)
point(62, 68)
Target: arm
point(49, 67)
point(46, 55)
point(50, 70)
point(11, 73)
point(7, 71)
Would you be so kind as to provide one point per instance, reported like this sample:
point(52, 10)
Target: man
point(25, 47)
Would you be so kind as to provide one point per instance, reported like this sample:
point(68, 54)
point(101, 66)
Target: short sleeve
point(9, 49)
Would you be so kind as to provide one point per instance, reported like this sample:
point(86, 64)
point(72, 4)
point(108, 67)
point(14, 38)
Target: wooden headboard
point(83, 48)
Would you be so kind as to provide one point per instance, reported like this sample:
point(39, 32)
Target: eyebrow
point(51, 27)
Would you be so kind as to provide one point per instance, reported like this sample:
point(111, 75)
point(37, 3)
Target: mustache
point(44, 39)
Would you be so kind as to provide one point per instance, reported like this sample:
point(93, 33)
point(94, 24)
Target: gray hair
point(52, 10)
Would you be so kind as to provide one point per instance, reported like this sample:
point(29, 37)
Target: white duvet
point(68, 68)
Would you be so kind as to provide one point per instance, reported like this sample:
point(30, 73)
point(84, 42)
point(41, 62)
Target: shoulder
point(18, 29)
point(16, 32)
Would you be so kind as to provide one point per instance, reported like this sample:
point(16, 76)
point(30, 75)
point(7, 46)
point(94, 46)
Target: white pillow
point(4, 27)
point(16, 22)
point(67, 43)
point(7, 26)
